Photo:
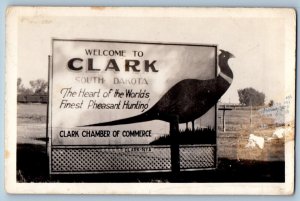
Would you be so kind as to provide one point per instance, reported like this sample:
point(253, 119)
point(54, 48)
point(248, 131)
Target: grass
point(32, 114)
point(187, 136)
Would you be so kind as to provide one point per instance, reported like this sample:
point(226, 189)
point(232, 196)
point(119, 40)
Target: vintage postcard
point(103, 100)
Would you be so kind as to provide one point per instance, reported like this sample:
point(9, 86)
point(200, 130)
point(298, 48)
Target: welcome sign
point(165, 114)
point(110, 102)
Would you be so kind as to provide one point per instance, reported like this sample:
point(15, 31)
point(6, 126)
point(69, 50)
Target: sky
point(257, 43)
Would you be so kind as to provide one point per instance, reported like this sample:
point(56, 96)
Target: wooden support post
point(193, 126)
point(224, 127)
point(48, 148)
point(224, 109)
point(251, 119)
point(175, 157)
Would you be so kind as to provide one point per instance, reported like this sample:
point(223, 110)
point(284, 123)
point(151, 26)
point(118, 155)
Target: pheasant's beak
point(231, 55)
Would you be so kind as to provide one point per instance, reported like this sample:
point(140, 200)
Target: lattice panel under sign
point(110, 159)
point(128, 158)
point(194, 157)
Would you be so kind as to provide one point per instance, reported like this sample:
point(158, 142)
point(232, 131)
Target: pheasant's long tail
point(135, 119)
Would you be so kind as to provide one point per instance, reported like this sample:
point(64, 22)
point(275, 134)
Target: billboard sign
point(112, 105)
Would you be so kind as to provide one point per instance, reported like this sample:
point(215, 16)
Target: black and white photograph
point(112, 100)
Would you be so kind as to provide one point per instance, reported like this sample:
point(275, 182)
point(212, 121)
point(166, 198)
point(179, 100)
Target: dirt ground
point(236, 162)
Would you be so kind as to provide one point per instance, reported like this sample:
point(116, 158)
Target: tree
point(20, 86)
point(21, 89)
point(271, 103)
point(39, 86)
point(19, 82)
point(250, 96)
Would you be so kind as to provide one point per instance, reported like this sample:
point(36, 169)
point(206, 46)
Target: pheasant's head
point(223, 63)
point(225, 55)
